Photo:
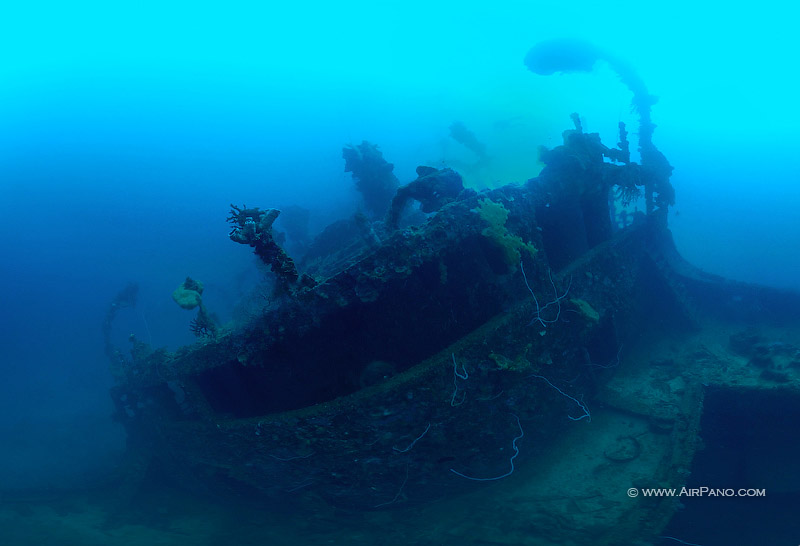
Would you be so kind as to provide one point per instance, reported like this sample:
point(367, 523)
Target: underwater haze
point(128, 128)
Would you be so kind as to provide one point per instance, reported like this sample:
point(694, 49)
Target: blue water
point(126, 130)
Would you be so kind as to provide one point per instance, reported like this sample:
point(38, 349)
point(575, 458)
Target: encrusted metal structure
point(512, 332)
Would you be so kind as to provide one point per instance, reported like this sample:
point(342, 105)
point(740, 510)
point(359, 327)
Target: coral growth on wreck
point(511, 246)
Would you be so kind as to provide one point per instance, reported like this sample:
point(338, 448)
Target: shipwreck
point(449, 340)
